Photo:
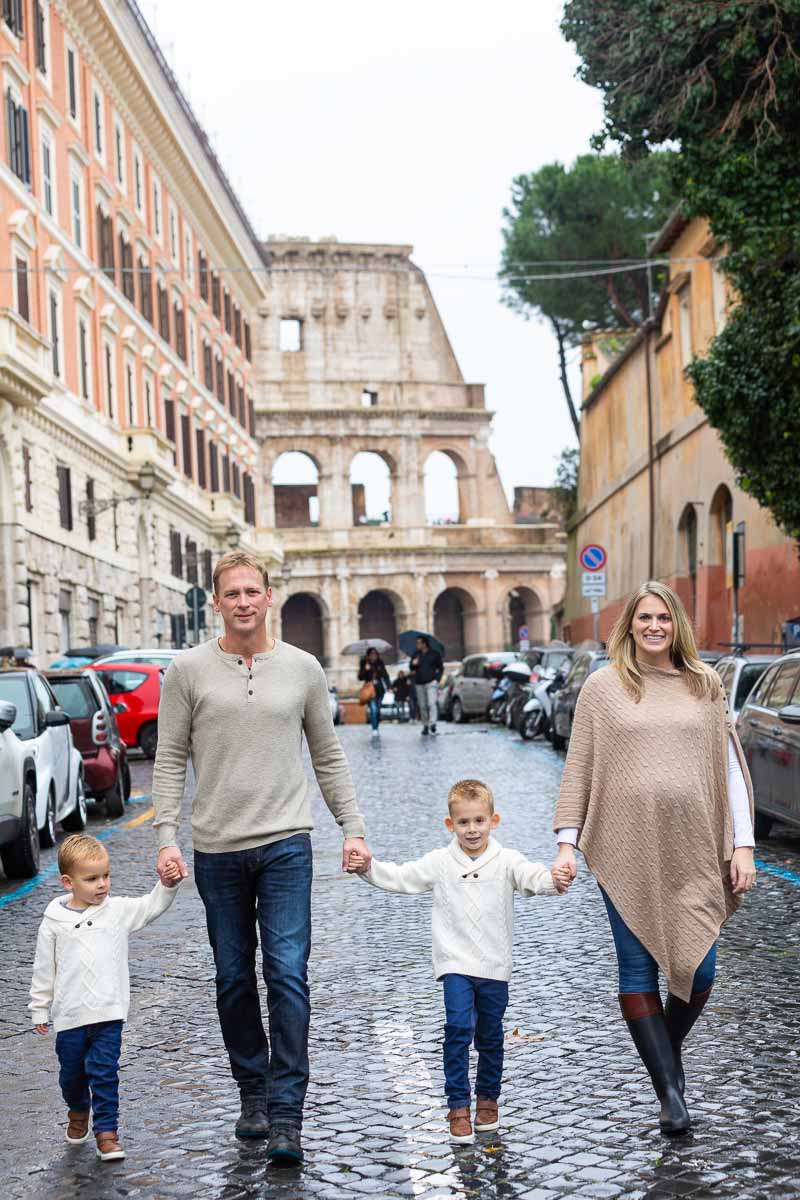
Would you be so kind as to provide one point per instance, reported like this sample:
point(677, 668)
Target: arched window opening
point(295, 481)
point(442, 505)
point(301, 624)
point(371, 489)
point(721, 514)
point(524, 611)
point(377, 619)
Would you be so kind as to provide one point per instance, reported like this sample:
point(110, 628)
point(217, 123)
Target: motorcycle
point(518, 675)
point(497, 701)
point(537, 713)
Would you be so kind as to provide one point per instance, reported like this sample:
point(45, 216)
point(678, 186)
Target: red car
point(134, 689)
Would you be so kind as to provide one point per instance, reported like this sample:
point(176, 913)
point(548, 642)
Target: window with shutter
point(191, 561)
point(126, 269)
point(55, 339)
point(213, 467)
point(242, 413)
point(231, 393)
point(23, 300)
point(200, 450)
point(249, 500)
point(220, 381)
point(176, 554)
point(83, 357)
point(226, 473)
point(19, 155)
point(27, 478)
point(202, 271)
point(247, 347)
point(251, 418)
point(91, 520)
point(12, 15)
point(237, 327)
point(145, 290)
point(208, 570)
point(72, 85)
point(41, 42)
point(216, 305)
point(64, 477)
point(169, 419)
point(180, 330)
point(105, 241)
point(208, 367)
point(163, 311)
point(237, 489)
point(186, 440)
point(228, 317)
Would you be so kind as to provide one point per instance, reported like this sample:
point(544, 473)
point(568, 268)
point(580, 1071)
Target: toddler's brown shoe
point(77, 1127)
point(460, 1126)
point(108, 1147)
point(487, 1115)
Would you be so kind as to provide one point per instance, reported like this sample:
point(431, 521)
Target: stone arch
point(371, 474)
point(304, 619)
point(720, 515)
point(295, 487)
point(442, 474)
point(455, 622)
point(688, 544)
point(523, 606)
point(380, 614)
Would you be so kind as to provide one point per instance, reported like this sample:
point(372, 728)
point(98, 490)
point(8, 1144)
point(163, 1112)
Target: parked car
point(473, 684)
point(56, 775)
point(95, 732)
point(769, 729)
point(739, 674)
point(156, 658)
point(19, 830)
point(549, 659)
point(134, 689)
point(584, 664)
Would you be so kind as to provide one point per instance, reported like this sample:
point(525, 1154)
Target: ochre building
point(656, 489)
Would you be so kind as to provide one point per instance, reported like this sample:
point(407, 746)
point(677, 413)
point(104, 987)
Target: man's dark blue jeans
point(262, 893)
point(474, 1009)
point(89, 1076)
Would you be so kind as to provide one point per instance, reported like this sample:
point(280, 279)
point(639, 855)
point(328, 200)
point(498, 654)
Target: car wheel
point(21, 857)
point(76, 820)
point(148, 739)
point(126, 781)
point(114, 798)
point(458, 712)
point(762, 824)
point(47, 834)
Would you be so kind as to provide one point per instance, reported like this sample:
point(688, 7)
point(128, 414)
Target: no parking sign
point(593, 557)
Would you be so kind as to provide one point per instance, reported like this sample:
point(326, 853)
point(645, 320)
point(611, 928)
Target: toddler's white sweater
point(473, 903)
point(80, 972)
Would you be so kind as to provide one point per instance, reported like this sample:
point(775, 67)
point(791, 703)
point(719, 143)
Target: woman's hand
point(743, 870)
point(565, 860)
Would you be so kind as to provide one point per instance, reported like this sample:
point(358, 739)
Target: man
point(427, 669)
point(239, 705)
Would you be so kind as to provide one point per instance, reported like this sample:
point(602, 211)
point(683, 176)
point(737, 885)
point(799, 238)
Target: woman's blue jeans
point(474, 1010)
point(264, 892)
point(638, 970)
point(88, 1058)
point(374, 711)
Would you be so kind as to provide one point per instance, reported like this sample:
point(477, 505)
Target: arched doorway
point(453, 617)
point(524, 608)
point(687, 527)
point(295, 483)
point(301, 624)
point(377, 619)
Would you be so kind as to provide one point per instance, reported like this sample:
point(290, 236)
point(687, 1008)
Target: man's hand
point(743, 870)
point(42, 1028)
point(359, 848)
point(166, 873)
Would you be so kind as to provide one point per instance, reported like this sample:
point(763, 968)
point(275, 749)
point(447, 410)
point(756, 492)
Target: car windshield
point(75, 697)
point(117, 681)
point(747, 681)
point(14, 688)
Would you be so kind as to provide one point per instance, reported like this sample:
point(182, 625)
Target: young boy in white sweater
point(473, 881)
point(81, 984)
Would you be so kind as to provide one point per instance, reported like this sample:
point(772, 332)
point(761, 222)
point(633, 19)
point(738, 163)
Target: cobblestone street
point(578, 1115)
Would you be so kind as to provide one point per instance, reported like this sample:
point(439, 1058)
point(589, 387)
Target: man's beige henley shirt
point(243, 729)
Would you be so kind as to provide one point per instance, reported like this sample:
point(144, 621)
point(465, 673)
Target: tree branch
point(562, 367)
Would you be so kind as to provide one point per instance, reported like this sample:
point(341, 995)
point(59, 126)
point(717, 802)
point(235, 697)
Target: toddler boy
point(473, 881)
point(81, 984)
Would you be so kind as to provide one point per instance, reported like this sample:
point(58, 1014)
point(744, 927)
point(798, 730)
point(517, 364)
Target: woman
point(373, 670)
point(657, 795)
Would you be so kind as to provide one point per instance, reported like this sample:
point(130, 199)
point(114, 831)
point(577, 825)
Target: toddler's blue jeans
point(89, 1076)
point(474, 1009)
point(638, 970)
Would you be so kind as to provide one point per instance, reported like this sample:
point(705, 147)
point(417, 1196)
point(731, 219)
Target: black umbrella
point(408, 642)
point(94, 651)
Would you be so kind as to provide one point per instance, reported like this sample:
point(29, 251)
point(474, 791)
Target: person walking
point(402, 692)
point(657, 796)
point(372, 672)
point(427, 669)
point(239, 706)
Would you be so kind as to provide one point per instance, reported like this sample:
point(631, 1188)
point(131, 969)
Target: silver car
point(474, 681)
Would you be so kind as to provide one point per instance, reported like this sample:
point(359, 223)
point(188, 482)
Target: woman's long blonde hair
point(700, 679)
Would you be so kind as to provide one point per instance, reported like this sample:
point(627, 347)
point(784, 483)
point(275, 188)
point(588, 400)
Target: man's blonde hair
point(470, 789)
point(79, 848)
point(239, 558)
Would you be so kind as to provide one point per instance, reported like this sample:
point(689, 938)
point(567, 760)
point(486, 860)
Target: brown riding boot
point(487, 1115)
point(680, 1017)
point(77, 1127)
point(108, 1147)
point(460, 1126)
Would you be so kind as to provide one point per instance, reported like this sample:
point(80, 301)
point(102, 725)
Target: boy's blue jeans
point(474, 1009)
point(264, 892)
point(89, 1076)
point(638, 970)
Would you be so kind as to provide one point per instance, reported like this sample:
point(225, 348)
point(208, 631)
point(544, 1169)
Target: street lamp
point(146, 482)
point(233, 535)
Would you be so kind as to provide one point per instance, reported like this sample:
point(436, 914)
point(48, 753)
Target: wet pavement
point(578, 1115)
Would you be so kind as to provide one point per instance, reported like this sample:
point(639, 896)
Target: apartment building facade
point(130, 275)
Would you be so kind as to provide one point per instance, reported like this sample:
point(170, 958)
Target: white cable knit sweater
point(80, 972)
point(473, 903)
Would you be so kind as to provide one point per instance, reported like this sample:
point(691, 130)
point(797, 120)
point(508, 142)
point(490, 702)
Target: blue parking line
point(781, 872)
point(148, 799)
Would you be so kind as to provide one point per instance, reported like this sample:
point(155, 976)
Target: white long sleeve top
point(473, 903)
point(738, 800)
point(80, 971)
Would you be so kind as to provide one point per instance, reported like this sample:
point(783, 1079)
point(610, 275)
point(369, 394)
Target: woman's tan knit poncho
point(648, 785)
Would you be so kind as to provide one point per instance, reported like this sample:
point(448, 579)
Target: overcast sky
point(401, 123)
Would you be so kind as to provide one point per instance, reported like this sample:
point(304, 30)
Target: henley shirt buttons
point(250, 692)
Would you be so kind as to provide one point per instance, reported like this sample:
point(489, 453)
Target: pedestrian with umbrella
point(427, 668)
point(375, 683)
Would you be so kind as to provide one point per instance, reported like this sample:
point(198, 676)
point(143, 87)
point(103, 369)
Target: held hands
point(562, 879)
point(743, 870)
point(357, 863)
point(171, 875)
point(170, 866)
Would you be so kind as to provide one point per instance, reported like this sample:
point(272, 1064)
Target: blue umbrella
point(408, 641)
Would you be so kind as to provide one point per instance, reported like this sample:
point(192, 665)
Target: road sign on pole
point(593, 557)
point(196, 600)
point(593, 583)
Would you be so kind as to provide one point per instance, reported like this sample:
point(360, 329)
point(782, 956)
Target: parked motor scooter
point(537, 714)
point(519, 676)
point(497, 702)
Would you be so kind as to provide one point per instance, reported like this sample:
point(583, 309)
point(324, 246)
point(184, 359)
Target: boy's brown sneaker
point(77, 1127)
point(460, 1126)
point(487, 1115)
point(108, 1147)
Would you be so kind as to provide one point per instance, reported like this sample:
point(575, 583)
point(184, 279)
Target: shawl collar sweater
point(647, 784)
point(80, 972)
point(473, 903)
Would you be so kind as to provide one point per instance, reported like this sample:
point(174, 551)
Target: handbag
point(367, 693)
